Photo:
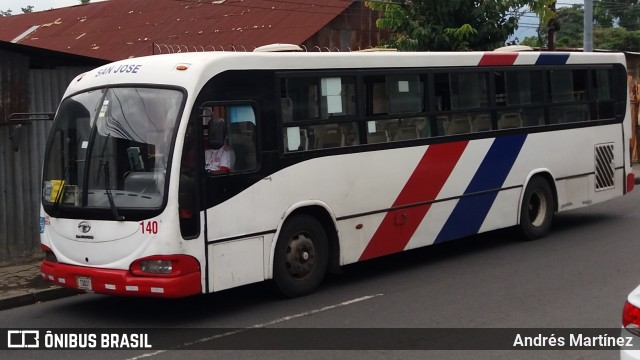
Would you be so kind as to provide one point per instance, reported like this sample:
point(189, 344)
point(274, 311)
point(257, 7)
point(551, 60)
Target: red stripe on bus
point(398, 226)
point(493, 59)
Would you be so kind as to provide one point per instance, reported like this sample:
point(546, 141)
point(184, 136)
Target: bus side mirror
point(24, 118)
point(15, 136)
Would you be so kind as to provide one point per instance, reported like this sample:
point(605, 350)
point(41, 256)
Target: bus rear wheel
point(536, 212)
point(301, 256)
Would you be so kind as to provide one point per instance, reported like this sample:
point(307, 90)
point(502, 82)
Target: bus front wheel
point(301, 256)
point(536, 212)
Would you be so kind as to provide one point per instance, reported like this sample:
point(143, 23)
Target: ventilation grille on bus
point(605, 167)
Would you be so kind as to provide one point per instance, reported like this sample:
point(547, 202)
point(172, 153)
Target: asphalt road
point(577, 277)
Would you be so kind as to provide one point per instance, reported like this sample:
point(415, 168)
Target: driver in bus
point(220, 157)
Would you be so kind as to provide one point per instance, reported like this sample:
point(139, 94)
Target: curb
point(36, 297)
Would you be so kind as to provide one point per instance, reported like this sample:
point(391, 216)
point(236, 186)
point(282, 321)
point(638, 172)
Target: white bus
point(174, 175)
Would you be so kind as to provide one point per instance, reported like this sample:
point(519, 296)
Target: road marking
point(257, 326)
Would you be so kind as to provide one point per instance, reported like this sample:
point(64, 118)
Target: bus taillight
point(631, 318)
point(48, 254)
point(165, 265)
point(156, 266)
point(631, 180)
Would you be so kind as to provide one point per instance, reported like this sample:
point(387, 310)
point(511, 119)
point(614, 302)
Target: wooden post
point(552, 27)
point(634, 103)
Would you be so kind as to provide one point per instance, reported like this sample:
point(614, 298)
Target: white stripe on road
point(257, 326)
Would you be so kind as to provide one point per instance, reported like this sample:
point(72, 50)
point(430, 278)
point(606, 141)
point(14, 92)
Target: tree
point(616, 38)
point(82, 2)
point(448, 25)
point(9, 12)
point(623, 13)
point(606, 34)
point(570, 21)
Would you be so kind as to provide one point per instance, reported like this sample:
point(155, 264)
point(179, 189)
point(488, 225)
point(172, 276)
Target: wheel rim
point(537, 208)
point(300, 256)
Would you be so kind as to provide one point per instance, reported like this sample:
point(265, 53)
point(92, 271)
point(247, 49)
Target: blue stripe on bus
point(552, 59)
point(470, 211)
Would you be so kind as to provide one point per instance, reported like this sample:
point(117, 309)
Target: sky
point(38, 5)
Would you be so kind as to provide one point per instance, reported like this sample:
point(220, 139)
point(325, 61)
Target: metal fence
point(20, 171)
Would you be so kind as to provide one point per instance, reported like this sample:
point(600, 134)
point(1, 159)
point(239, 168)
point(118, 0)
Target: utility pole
point(552, 27)
point(588, 26)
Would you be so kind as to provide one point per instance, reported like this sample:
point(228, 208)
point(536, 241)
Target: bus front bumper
point(121, 282)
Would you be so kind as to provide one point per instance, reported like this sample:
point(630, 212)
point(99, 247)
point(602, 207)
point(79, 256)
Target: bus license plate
point(84, 283)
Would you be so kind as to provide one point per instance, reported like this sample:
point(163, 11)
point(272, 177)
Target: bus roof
point(192, 70)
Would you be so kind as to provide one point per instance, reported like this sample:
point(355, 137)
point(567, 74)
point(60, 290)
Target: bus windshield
point(109, 149)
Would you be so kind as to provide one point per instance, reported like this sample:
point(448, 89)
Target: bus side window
point(188, 208)
point(442, 92)
point(380, 100)
point(287, 109)
point(242, 136)
point(242, 140)
point(603, 105)
point(330, 136)
point(404, 94)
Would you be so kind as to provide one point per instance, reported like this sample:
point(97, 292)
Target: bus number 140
point(149, 227)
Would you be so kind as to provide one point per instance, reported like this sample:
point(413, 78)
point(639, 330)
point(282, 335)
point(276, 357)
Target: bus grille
point(605, 167)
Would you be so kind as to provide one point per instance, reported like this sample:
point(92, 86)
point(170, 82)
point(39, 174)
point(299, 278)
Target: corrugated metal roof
point(119, 29)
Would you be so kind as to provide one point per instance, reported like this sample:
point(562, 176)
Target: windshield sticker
point(56, 190)
point(103, 110)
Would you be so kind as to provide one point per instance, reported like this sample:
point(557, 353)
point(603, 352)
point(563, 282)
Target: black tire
point(301, 256)
point(536, 212)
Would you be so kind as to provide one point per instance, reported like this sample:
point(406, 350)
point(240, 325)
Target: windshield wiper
point(107, 182)
point(60, 194)
point(65, 178)
point(107, 189)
